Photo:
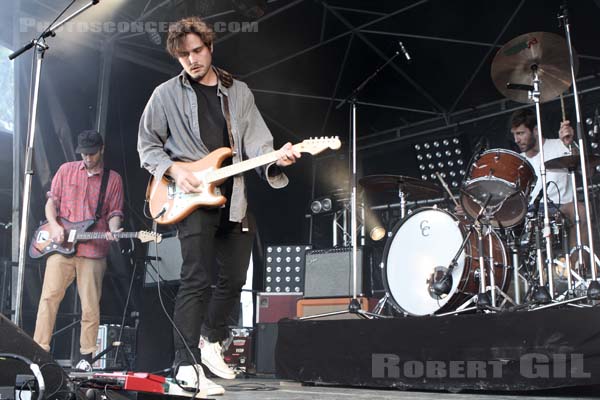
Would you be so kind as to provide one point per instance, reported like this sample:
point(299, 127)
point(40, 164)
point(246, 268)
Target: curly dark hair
point(525, 116)
point(179, 29)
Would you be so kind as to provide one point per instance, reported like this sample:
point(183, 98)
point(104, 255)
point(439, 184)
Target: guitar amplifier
point(328, 273)
point(271, 307)
point(310, 307)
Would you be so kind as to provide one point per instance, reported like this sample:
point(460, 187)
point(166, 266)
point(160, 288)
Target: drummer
point(523, 126)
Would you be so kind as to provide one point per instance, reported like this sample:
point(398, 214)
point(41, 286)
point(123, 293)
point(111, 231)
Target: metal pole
point(40, 48)
point(547, 233)
point(594, 288)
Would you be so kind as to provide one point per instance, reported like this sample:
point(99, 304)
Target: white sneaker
point(186, 376)
point(212, 357)
point(84, 365)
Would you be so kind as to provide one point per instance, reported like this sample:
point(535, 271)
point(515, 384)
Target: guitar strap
point(227, 81)
point(105, 176)
point(220, 73)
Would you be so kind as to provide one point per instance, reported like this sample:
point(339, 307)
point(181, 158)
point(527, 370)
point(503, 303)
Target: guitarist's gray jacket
point(169, 131)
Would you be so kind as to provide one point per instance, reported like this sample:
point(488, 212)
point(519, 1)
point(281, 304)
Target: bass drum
point(430, 238)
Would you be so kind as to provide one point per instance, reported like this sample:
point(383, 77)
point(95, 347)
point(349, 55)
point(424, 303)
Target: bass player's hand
point(57, 232)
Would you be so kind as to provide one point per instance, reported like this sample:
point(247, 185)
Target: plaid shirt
point(75, 195)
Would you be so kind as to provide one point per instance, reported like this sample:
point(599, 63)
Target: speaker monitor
point(17, 343)
point(169, 255)
point(266, 338)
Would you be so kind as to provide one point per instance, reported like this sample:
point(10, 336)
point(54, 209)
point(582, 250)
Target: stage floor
point(275, 389)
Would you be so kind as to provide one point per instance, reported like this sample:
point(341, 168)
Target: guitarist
point(74, 195)
point(200, 110)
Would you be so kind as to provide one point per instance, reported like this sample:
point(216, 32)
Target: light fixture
point(445, 159)
point(284, 268)
point(321, 205)
point(374, 227)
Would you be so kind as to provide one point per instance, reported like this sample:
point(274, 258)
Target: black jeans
point(215, 252)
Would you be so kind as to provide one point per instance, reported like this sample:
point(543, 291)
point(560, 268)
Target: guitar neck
point(238, 168)
point(103, 235)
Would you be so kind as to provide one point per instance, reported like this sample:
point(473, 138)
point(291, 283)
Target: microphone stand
point(593, 292)
point(40, 49)
point(354, 306)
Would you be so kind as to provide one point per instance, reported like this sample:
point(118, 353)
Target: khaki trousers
point(60, 273)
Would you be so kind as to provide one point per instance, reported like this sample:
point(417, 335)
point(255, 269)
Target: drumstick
point(447, 189)
point(562, 107)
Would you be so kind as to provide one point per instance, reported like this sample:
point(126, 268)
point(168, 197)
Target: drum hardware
point(511, 242)
point(534, 94)
point(440, 282)
point(593, 292)
point(506, 175)
point(408, 262)
point(402, 187)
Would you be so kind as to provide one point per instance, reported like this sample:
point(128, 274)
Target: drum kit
point(439, 262)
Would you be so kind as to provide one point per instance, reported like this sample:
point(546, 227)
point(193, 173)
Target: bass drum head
point(426, 239)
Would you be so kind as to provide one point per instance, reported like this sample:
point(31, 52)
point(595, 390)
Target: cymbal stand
point(534, 94)
point(514, 251)
point(593, 292)
point(539, 291)
point(492, 266)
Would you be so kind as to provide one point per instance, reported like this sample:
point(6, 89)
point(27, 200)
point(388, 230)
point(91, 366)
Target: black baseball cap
point(89, 142)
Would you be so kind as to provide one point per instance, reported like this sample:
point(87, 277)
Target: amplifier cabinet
point(271, 307)
point(328, 273)
point(310, 307)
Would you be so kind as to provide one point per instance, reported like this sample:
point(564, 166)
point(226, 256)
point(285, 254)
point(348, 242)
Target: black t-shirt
point(213, 128)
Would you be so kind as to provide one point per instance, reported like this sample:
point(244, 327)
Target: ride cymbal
point(513, 63)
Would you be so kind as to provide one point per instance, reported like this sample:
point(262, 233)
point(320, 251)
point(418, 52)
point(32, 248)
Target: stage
point(510, 351)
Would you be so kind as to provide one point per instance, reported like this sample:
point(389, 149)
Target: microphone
point(481, 145)
point(405, 52)
point(441, 281)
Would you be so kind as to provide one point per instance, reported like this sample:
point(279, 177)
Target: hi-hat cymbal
point(571, 162)
point(415, 189)
point(514, 61)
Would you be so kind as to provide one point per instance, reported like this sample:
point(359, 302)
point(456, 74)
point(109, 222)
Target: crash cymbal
point(571, 162)
point(414, 188)
point(514, 61)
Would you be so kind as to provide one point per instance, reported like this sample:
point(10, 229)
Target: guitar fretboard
point(103, 235)
point(235, 169)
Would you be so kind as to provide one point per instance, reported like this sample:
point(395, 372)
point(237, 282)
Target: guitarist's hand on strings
point(57, 232)
point(288, 155)
point(185, 179)
point(110, 236)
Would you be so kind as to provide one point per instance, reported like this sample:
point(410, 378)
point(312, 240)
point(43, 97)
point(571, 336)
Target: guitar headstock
point(317, 145)
point(148, 236)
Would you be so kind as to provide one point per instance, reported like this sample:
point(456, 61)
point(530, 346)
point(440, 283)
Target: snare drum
point(505, 176)
point(427, 239)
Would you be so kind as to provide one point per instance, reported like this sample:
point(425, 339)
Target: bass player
point(80, 190)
